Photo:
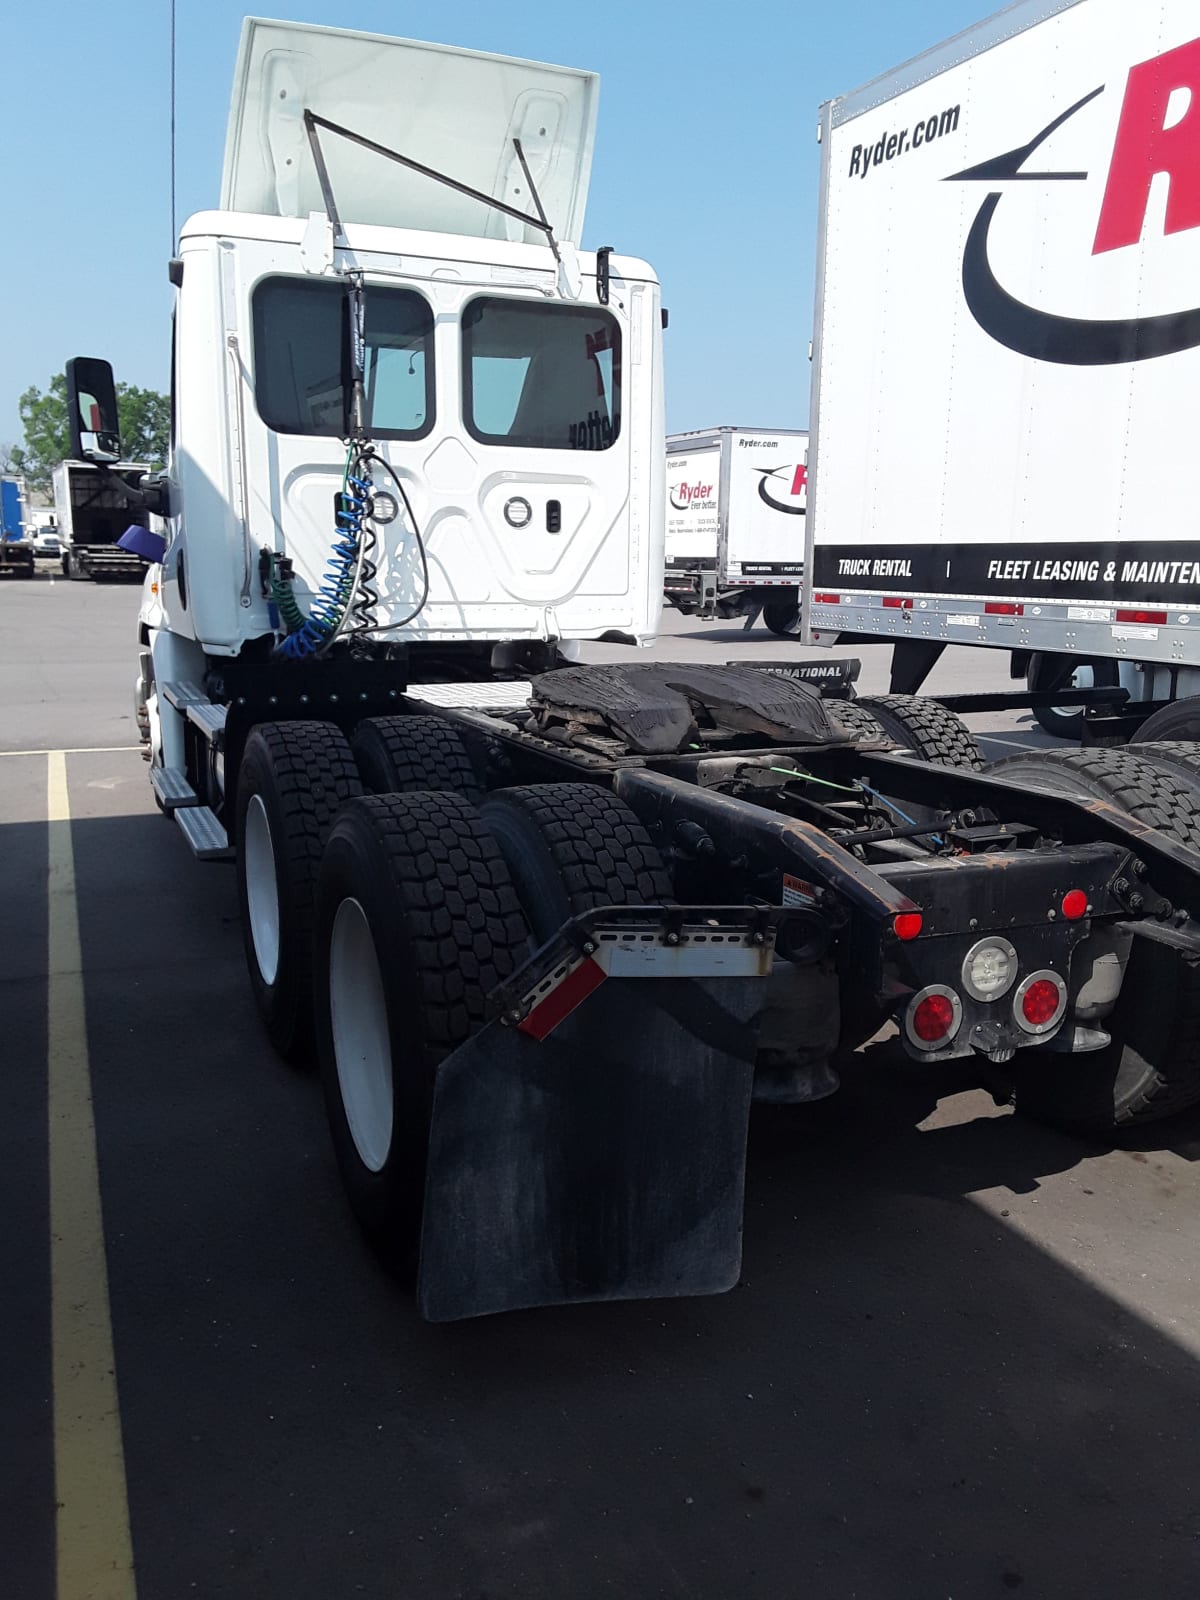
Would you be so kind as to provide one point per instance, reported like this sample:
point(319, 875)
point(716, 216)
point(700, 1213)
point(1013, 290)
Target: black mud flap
point(602, 1159)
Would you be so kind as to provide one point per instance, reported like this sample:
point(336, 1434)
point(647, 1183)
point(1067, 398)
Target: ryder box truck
point(1007, 350)
point(735, 523)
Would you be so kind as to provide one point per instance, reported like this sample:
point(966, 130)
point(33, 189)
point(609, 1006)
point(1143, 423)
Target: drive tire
point(1137, 785)
point(1054, 671)
point(1181, 757)
point(1152, 1067)
point(926, 728)
point(571, 847)
point(1179, 720)
point(412, 887)
point(293, 780)
point(855, 718)
point(403, 755)
point(782, 617)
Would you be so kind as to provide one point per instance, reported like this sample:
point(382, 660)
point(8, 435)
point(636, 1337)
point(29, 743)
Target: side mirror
point(92, 411)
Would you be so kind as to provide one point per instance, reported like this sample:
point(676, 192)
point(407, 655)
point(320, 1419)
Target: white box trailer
point(736, 498)
point(1007, 345)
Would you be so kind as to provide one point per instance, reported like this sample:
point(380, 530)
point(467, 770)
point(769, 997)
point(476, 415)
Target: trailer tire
point(571, 847)
point(782, 617)
point(1152, 1067)
point(402, 755)
point(1053, 671)
point(1179, 720)
point(926, 728)
point(74, 571)
point(293, 779)
point(413, 886)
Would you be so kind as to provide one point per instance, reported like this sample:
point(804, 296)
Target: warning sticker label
point(799, 892)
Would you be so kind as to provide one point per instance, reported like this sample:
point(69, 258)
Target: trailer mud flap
point(605, 1160)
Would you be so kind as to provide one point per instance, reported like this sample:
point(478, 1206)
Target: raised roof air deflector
point(457, 111)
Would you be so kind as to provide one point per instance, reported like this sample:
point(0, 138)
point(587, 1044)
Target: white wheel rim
point(361, 1042)
point(262, 891)
point(1081, 678)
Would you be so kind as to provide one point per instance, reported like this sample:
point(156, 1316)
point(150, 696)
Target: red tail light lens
point(907, 925)
point(1074, 905)
point(933, 1018)
point(1040, 1001)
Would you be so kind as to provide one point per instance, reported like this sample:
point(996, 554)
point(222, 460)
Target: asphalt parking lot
point(961, 1363)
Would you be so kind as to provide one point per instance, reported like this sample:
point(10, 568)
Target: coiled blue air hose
point(333, 597)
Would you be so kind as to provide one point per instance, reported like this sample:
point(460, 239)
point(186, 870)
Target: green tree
point(145, 429)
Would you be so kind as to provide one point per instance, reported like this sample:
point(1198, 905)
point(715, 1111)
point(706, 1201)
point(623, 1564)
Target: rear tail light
point(907, 925)
point(897, 602)
point(1003, 608)
point(933, 1017)
point(1074, 904)
point(1139, 615)
point(1039, 1002)
point(827, 599)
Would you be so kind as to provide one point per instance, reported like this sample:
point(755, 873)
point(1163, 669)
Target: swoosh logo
point(1043, 335)
point(776, 505)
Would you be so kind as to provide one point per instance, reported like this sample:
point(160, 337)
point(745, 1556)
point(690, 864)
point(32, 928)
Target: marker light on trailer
point(907, 925)
point(1074, 904)
point(989, 969)
point(933, 1017)
point(1039, 1002)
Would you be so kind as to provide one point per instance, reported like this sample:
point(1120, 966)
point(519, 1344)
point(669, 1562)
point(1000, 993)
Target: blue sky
point(706, 165)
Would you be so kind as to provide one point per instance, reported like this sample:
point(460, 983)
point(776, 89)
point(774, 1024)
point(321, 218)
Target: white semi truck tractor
point(549, 928)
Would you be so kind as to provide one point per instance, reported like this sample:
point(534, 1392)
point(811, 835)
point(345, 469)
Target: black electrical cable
point(369, 458)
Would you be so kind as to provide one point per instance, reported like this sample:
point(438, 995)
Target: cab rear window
point(298, 355)
point(541, 377)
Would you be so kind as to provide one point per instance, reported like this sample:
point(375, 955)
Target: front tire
point(416, 923)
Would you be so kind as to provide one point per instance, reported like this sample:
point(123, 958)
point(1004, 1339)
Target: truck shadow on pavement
point(904, 1399)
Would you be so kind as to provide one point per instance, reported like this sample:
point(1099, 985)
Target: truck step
point(184, 694)
point(204, 833)
point(208, 717)
point(172, 788)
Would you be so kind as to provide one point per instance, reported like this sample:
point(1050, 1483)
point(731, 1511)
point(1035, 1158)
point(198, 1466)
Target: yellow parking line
point(94, 1548)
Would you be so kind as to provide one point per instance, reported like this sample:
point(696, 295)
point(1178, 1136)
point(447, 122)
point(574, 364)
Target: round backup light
point(1039, 1002)
point(518, 513)
point(990, 969)
point(1074, 905)
point(933, 1017)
